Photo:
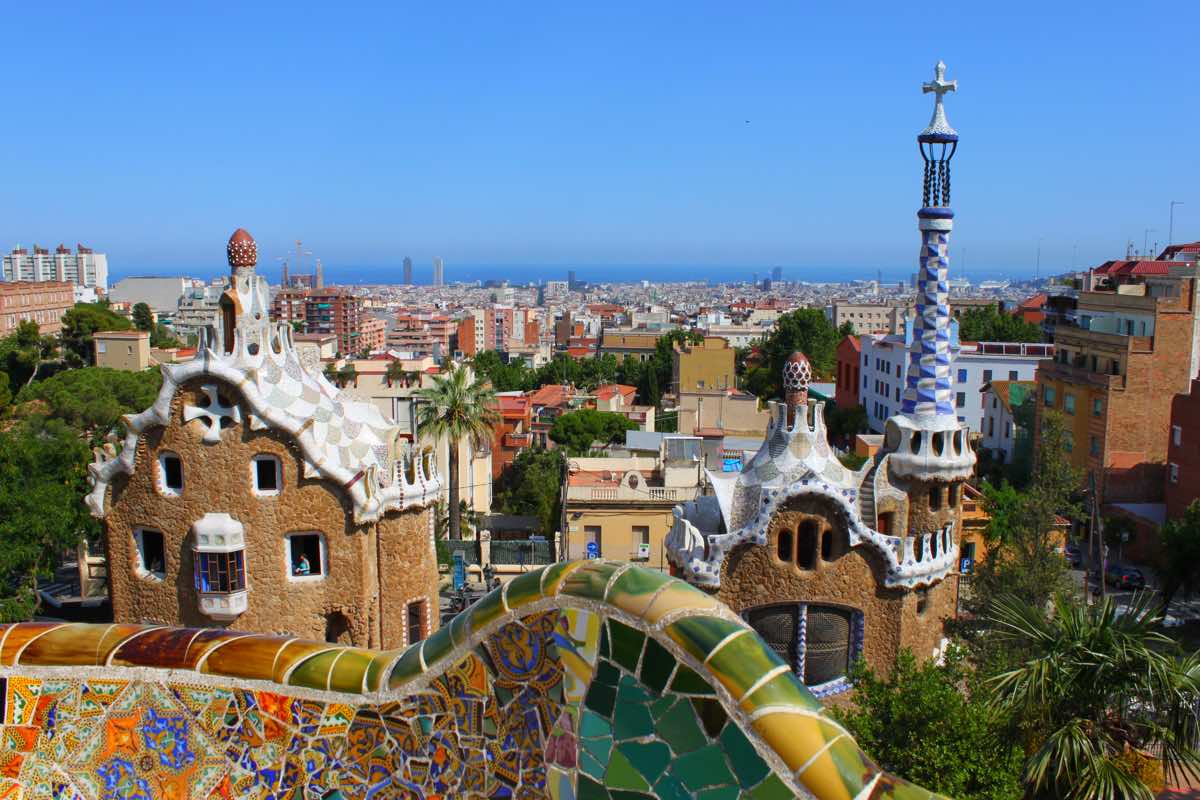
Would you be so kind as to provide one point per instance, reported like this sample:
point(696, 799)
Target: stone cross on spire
point(939, 125)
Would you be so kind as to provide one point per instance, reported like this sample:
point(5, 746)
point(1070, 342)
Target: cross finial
point(939, 125)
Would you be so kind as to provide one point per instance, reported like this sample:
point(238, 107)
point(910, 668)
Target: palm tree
point(457, 407)
point(396, 373)
point(1100, 687)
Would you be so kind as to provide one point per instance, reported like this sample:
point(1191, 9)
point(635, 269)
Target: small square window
point(1174, 469)
point(414, 621)
point(170, 473)
point(1176, 435)
point(960, 399)
point(1012, 374)
point(962, 376)
point(1097, 407)
point(1094, 446)
point(266, 475)
point(1068, 403)
point(305, 555)
point(151, 554)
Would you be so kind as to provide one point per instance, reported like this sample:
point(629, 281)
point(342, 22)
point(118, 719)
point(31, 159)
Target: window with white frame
point(170, 474)
point(266, 475)
point(1174, 468)
point(151, 554)
point(1176, 435)
point(306, 556)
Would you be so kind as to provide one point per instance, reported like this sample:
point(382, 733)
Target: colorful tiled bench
point(586, 679)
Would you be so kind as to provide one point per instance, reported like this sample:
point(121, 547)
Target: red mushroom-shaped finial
point(797, 375)
point(242, 250)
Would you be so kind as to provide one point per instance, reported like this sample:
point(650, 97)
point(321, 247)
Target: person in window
point(302, 566)
point(156, 566)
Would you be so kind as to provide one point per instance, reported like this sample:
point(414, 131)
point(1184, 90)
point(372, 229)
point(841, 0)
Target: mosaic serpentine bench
point(579, 680)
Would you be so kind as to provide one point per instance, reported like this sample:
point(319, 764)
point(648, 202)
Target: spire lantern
point(938, 142)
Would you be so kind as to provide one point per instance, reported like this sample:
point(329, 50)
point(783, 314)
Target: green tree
point(805, 329)
point(43, 477)
point(577, 430)
point(457, 407)
point(396, 373)
point(1179, 554)
point(1118, 529)
point(5, 392)
point(1023, 556)
point(93, 399)
point(531, 486)
point(510, 377)
point(162, 336)
point(1098, 690)
point(143, 317)
point(845, 423)
point(79, 323)
point(23, 353)
point(933, 725)
point(990, 324)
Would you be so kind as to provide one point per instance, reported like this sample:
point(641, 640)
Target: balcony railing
point(1067, 372)
point(1015, 349)
point(626, 494)
point(518, 440)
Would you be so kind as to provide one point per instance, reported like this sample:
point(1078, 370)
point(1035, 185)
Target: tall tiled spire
point(930, 387)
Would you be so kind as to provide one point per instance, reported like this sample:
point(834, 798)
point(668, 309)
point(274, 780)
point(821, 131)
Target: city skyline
point(714, 139)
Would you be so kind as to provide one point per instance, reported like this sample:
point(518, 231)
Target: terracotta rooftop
point(607, 391)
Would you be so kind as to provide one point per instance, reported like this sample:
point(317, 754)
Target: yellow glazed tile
point(252, 657)
point(71, 645)
point(350, 670)
point(679, 595)
point(797, 738)
point(22, 634)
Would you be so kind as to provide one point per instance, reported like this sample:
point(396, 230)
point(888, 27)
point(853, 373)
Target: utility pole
point(1171, 229)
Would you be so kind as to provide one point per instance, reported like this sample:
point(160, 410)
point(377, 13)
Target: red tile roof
point(608, 390)
point(552, 394)
point(1140, 267)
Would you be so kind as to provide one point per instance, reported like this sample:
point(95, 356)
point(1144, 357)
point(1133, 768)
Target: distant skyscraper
point(283, 279)
point(777, 274)
point(439, 273)
point(319, 278)
point(570, 280)
point(407, 271)
point(81, 268)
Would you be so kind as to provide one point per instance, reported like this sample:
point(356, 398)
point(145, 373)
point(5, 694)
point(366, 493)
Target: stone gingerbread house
point(254, 495)
point(831, 565)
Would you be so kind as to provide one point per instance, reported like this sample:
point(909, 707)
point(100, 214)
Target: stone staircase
point(866, 498)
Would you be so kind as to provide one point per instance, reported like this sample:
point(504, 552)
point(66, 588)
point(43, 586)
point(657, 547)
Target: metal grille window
point(818, 642)
point(415, 614)
point(220, 572)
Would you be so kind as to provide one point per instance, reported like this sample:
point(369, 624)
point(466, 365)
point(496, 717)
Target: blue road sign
point(593, 549)
point(460, 570)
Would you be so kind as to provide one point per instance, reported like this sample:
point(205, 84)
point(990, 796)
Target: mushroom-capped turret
point(797, 373)
point(242, 250)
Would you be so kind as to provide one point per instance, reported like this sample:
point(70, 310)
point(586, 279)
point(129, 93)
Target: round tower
point(797, 375)
point(929, 449)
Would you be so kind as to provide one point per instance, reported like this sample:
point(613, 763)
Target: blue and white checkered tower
point(930, 389)
point(927, 437)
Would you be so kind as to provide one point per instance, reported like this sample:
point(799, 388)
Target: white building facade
point(884, 373)
point(84, 268)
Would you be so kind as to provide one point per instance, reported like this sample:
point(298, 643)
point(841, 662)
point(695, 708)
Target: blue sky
point(606, 133)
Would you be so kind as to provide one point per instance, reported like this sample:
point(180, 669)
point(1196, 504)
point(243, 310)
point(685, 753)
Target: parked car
point(1074, 555)
point(1124, 577)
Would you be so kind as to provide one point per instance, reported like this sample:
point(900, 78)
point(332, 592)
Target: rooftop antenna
point(1129, 250)
point(1146, 240)
point(1171, 229)
point(1038, 267)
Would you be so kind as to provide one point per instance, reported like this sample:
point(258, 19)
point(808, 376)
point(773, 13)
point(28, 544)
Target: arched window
point(935, 498)
point(806, 544)
point(228, 321)
point(818, 642)
point(783, 545)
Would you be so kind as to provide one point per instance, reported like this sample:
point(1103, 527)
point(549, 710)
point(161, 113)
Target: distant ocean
point(612, 273)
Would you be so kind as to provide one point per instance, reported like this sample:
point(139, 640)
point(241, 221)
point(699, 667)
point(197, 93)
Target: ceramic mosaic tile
point(582, 680)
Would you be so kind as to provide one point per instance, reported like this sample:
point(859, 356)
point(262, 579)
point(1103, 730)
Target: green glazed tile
point(671, 788)
point(852, 764)
point(711, 715)
point(657, 665)
point(603, 650)
point(650, 759)
point(591, 790)
point(484, 612)
point(688, 682)
point(720, 793)
point(630, 691)
point(600, 698)
point(460, 629)
point(701, 768)
point(748, 765)
point(675, 595)
point(699, 635)
point(313, 672)
point(590, 580)
point(626, 794)
point(349, 671)
point(782, 690)
point(436, 647)
point(621, 774)
point(680, 729)
point(631, 719)
point(524, 589)
point(626, 644)
point(635, 588)
point(591, 766)
point(599, 749)
point(607, 674)
point(377, 670)
point(771, 789)
point(425, 723)
point(407, 667)
point(742, 662)
point(593, 726)
point(553, 575)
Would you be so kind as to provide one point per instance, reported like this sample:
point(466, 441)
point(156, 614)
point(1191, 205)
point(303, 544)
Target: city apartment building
point(1129, 348)
point(738, 335)
point(621, 508)
point(197, 309)
point(84, 267)
point(626, 343)
point(421, 333)
point(124, 350)
point(999, 429)
point(43, 302)
point(161, 293)
point(329, 310)
point(708, 365)
point(884, 365)
point(849, 367)
point(1183, 452)
point(514, 430)
point(868, 318)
